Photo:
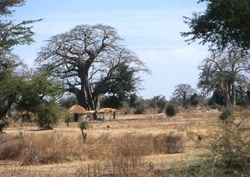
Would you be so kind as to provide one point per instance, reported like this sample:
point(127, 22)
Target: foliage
point(111, 102)
point(120, 83)
point(182, 94)
point(39, 89)
point(86, 55)
point(10, 65)
point(139, 106)
point(222, 71)
point(171, 110)
point(13, 34)
point(217, 98)
point(11, 81)
point(229, 154)
point(83, 125)
point(158, 102)
point(194, 99)
point(227, 115)
point(224, 23)
point(48, 114)
point(67, 102)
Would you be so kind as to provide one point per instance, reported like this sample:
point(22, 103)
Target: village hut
point(79, 112)
point(108, 112)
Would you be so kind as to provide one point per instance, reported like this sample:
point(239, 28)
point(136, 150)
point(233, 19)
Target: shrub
point(139, 106)
point(171, 110)
point(227, 115)
point(229, 154)
point(48, 115)
point(84, 126)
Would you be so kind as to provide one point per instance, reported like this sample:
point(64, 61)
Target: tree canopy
point(182, 94)
point(224, 23)
point(83, 56)
point(223, 70)
point(12, 69)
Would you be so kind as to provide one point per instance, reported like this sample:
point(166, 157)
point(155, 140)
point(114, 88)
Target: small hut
point(79, 113)
point(108, 112)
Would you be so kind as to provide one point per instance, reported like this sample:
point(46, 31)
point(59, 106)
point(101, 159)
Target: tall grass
point(55, 148)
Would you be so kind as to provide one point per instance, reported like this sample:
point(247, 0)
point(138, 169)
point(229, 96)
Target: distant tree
point(182, 94)
point(242, 95)
point(159, 102)
point(171, 110)
point(83, 56)
point(223, 70)
point(217, 98)
point(194, 99)
point(224, 23)
point(139, 106)
point(118, 87)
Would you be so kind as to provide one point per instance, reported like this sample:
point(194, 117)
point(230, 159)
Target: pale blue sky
point(151, 28)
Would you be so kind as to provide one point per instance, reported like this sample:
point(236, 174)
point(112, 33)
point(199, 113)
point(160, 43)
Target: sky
point(150, 28)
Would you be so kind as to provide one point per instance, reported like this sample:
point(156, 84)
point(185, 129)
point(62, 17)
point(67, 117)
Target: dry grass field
point(132, 145)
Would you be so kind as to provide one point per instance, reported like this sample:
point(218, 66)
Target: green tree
point(11, 79)
point(118, 87)
point(171, 110)
point(224, 23)
point(194, 99)
point(139, 106)
point(39, 95)
point(10, 74)
point(217, 98)
point(48, 114)
point(158, 102)
point(83, 56)
point(182, 94)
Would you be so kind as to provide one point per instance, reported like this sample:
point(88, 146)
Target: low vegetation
point(53, 148)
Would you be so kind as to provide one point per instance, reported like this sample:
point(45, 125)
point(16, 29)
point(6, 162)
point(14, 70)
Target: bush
point(227, 115)
point(229, 154)
point(171, 110)
point(48, 115)
point(139, 106)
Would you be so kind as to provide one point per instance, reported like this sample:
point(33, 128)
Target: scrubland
point(143, 145)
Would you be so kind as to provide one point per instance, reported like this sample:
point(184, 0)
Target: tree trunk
point(81, 98)
point(84, 96)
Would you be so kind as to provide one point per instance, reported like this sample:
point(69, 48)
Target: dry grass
point(55, 148)
point(121, 150)
point(112, 155)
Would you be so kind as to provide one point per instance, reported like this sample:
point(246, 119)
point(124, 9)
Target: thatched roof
point(77, 109)
point(106, 110)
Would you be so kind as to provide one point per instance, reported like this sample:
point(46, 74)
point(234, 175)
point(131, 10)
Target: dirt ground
point(195, 121)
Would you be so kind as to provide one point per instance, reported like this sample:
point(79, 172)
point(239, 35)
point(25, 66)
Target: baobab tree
point(182, 93)
point(223, 70)
point(83, 56)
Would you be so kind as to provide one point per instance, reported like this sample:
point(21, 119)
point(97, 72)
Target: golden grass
point(55, 148)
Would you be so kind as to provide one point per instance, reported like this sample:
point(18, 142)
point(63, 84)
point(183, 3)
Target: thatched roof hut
point(79, 112)
point(77, 109)
point(107, 110)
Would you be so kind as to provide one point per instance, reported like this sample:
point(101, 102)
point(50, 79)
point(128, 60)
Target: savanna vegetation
point(198, 132)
